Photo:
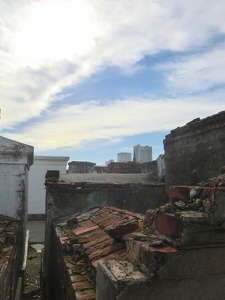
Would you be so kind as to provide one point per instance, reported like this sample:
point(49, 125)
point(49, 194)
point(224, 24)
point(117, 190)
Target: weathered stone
point(180, 204)
point(194, 263)
point(149, 221)
point(195, 152)
point(193, 217)
point(134, 250)
point(155, 241)
point(195, 192)
point(155, 257)
point(72, 221)
point(139, 236)
point(198, 203)
point(201, 236)
point(218, 207)
point(207, 204)
point(125, 271)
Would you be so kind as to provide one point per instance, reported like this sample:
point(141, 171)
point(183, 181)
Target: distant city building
point(109, 162)
point(123, 157)
point(142, 154)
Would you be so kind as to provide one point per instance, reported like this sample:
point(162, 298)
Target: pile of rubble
point(93, 236)
point(181, 243)
point(110, 253)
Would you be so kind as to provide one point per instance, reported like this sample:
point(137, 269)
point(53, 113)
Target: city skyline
point(91, 78)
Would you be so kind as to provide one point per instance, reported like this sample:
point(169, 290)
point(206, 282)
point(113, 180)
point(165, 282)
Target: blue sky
point(91, 78)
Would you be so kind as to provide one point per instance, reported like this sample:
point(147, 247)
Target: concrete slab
point(37, 247)
point(36, 231)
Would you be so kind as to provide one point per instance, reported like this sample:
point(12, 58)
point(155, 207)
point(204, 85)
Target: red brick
point(101, 245)
point(103, 210)
point(120, 255)
point(101, 217)
point(85, 295)
point(179, 193)
point(122, 229)
point(105, 251)
point(112, 221)
point(86, 224)
point(89, 236)
point(169, 225)
point(80, 231)
point(103, 236)
point(64, 240)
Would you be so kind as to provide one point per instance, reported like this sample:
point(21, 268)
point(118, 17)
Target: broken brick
point(85, 295)
point(118, 231)
point(80, 231)
point(169, 225)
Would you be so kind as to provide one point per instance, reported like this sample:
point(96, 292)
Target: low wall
point(63, 198)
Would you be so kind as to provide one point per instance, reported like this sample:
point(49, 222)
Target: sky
point(91, 78)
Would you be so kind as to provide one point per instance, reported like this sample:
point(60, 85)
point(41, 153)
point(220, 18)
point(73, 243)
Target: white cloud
point(91, 122)
point(197, 72)
point(47, 46)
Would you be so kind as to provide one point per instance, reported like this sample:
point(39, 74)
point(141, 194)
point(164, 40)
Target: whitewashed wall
point(15, 161)
point(36, 187)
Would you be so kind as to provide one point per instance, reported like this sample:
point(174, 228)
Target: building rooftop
point(109, 178)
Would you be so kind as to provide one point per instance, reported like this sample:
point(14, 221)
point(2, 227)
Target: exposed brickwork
point(192, 223)
point(169, 225)
point(96, 235)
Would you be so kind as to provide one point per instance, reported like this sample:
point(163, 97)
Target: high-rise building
point(142, 154)
point(123, 157)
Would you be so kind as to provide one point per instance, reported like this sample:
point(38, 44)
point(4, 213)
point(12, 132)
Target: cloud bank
point(49, 46)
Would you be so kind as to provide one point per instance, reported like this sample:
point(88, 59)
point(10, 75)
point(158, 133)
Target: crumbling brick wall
point(195, 152)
